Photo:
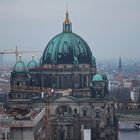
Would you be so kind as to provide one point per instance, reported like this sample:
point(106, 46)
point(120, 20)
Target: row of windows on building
point(61, 81)
point(5, 136)
point(63, 110)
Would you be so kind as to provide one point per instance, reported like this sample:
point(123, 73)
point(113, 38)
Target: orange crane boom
point(16, 52)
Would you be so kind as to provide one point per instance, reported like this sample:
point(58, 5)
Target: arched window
point(97, 114)
point(84, 113)
point(75, 111)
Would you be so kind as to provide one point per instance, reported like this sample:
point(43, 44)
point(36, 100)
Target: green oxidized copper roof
point(97, 77)
point(20, 67)
point(32, 64)
point(64, 48)
point(67, 48)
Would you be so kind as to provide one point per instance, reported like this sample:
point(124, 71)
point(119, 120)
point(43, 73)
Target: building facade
point(67, 82)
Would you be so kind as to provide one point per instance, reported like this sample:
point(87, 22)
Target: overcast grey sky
point(110, 27)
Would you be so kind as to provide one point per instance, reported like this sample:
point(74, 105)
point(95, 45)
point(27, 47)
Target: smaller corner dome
point(20, 67)
point(97, 78)
point(32, 64)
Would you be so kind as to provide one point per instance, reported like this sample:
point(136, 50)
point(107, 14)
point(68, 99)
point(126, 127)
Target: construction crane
point(9, 52)
point(16, 52)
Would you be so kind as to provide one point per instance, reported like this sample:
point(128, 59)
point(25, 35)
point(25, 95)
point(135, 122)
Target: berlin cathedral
point(67, 83)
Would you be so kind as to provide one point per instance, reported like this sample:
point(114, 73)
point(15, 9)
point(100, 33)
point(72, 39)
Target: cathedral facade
point(67, 83)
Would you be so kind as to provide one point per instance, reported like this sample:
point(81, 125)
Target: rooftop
point(21, 117)
point(23, 113)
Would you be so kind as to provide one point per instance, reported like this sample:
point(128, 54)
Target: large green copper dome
point(67, 48)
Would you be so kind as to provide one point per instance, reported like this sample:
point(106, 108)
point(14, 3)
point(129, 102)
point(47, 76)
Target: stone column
point(57, 81)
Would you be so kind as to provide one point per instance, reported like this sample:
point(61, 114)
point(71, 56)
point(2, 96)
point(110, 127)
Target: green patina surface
point(97, 77)
point(20, 67)
point(32, 64)
point(65, 47)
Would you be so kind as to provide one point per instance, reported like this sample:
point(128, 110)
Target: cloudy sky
point(110, 27)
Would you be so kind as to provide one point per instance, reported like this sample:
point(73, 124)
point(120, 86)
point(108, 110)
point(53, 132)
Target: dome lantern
point(67, 26)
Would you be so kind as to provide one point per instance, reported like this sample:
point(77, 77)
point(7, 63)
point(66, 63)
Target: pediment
point(65, 99)
point(62, 119)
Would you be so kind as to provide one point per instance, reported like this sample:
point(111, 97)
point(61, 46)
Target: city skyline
point(111, 28)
